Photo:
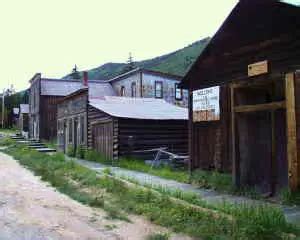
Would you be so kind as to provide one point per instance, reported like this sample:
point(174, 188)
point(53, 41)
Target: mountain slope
point(177, 62)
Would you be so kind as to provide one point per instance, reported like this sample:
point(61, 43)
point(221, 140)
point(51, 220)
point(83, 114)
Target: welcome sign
point(206, 104)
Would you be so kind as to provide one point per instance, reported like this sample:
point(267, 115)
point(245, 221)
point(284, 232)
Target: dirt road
point(32, 210)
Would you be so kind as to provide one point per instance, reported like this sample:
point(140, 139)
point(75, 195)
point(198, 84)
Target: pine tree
point(129, 64)
point(75, 74)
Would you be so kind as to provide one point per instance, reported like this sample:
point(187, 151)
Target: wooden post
point(190, 132)
point(273, 154)
point(235, 164)
point(291, 132)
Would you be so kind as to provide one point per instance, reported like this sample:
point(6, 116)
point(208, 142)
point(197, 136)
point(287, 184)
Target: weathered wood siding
point(94, 116)
point(121, 137)
point(48, 117)
point(168, 89)
point(209, 141)
point(135, 134)
point(34, 107)
point(74, 109)
point(127, 83)
point(145, 87)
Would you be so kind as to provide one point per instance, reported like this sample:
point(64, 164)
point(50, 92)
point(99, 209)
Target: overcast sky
point(50, 36)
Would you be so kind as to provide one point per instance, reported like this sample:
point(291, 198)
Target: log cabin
point(244, 106)
point(120, 126)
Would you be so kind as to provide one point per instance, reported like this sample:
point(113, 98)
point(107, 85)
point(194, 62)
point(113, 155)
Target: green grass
point(8, 130)
point(163, 171)
point(221, 182)
point(290, 198)
point(158, 236)
point(250, 222)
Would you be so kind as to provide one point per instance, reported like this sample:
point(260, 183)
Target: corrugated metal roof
point(24, 108)
point(140, 108)
point(59, 87)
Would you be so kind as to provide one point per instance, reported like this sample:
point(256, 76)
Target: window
point(122, 91)
point(178, 92)
point(158, 89)
point(82, 130)
point(133, 89)
point(70, 131)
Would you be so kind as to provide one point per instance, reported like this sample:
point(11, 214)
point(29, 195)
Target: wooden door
point(102, 135)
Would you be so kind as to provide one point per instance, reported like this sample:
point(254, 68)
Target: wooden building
point(144, 83)
point(72, 114)
point(23, 119)
point(44, 95)
point(121, 127)
point(244, 97)
point(118, 126)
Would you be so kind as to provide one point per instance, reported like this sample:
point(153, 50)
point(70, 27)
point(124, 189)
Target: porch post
point(291, 132)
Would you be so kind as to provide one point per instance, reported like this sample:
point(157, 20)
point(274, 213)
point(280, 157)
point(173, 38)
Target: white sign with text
point(206, 104)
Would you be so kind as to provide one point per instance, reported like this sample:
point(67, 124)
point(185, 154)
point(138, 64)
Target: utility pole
point(3, 99)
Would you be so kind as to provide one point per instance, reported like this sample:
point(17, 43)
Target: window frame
point(161, 89)
point(181, 92)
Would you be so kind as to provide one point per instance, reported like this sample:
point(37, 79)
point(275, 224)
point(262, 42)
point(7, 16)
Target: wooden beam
point(260, 107)
point(235, 164)
point(253, 83)
point(291, 132)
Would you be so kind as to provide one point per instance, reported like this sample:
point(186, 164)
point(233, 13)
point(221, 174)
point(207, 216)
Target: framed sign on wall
point(206, 104)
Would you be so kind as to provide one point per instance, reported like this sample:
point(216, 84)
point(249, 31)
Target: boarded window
point(70, 131)
point(178, 92)
point(158, 89)
point(133, 89)
point(122, 91)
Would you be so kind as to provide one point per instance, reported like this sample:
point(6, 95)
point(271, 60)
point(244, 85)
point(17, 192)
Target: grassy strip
point(8, 130)
point(221, 182)
point(263, 222)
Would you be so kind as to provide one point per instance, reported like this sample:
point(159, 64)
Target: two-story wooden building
point(144, 83)
point(244, 104)
point(44, 95)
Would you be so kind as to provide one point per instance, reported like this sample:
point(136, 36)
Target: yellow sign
point(258, 68)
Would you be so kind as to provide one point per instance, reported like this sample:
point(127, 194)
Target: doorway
point(259, 134)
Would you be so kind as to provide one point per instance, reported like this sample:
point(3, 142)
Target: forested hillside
point(177, 62)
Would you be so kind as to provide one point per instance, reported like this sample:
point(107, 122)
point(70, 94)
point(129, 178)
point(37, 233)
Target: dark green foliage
point(177, 62)
point(12, 101)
